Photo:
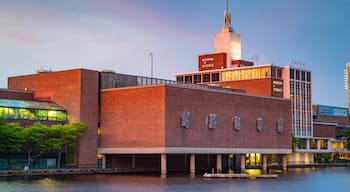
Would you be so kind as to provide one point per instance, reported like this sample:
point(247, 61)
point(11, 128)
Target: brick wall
point(77, 92)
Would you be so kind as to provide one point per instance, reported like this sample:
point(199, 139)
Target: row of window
point(302, 144)
point(300, 75)
point(211, 122)
point(32, 114)
point(232, 75)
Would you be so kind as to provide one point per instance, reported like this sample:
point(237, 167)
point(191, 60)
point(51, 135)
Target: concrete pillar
point(218, 163)
point(242, 162)
point(192, 164)
point(104, 162)
point(133, 162)
point(264, 163)
point(318, 144)
point(284, 162)
point(163, 166)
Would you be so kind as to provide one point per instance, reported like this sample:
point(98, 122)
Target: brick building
point(138, 122)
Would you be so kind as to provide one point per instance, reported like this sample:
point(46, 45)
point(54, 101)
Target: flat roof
point(29, 104)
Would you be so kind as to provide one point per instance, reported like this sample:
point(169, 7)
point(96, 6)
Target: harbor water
point(321, 179)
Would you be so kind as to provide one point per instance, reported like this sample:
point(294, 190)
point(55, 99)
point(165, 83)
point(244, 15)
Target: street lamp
point(151, 55)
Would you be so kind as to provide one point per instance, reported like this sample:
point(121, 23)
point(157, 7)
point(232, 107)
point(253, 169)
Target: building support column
point(192, 164)
point(264, 163)
point(242, 162)
point(163, 165)
point(104, 162)
point(133, 161)
point(318, 144)
point(284, 162)
point(218, 163)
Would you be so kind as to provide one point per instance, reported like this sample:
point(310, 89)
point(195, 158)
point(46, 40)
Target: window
point(215, 77)
point(42, 114)
point(291, 71)
point(197, 78)
point(188, 79)
point(206, 77)
point(302, 144)
point(302, 75)
point(308, 76)
point(323, 144)
point(297, 73)
point(180, 79)
point(313, 144)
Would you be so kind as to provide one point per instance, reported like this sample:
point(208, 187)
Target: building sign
point(211, 61)
point(332, 111)
point(277, 86)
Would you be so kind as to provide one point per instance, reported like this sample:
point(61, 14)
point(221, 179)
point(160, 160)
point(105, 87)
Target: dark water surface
point(325, 179)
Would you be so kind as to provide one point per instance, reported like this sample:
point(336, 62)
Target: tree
point(347, 136)
point(62, 137)
point(33, 140)
point(295, 143)
point(10, 139)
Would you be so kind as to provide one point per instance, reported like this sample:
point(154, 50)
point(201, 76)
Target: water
point(326, 179)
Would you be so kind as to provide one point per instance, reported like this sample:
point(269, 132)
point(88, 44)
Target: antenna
point(297, 64)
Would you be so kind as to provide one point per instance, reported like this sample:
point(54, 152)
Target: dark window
point(297, 74)
point(279, 73)
point(302, 75)
point(215, 77)
point(308, 76)
point(206, 77)
point(291, 73)
point(180, 79)
point(188, 79)
point(197, 78)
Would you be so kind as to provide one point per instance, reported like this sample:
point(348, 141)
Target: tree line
point(39, 139)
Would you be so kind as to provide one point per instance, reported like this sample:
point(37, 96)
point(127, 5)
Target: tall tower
point(228, 41)
point(347, 83)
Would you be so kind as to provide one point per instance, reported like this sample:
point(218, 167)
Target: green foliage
point(10, 139)
point(347, 136)
point(39, 138)
point(295, 142)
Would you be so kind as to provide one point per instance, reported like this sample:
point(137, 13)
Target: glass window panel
point(197, 78)
point(297, 74)
point(52, 115)
point(206, 77)
point(291, 73)
point(215, 77)
point(188, 79)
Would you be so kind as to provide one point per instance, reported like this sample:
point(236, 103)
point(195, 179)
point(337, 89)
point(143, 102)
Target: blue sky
point(120, 34)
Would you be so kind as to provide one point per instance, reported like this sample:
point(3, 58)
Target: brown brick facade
point(151, 117)
point(76, 91)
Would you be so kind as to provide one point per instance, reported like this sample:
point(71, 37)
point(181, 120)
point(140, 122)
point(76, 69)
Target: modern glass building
point(347, 83)
point(31, 110)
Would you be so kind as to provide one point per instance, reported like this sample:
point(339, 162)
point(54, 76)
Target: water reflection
point(329, 179)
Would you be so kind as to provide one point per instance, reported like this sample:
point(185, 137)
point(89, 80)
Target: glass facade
point(300, 95)
point(235, 74)
point(31, 110)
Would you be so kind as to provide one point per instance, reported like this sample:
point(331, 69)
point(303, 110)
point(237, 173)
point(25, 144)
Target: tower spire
point(227, 19)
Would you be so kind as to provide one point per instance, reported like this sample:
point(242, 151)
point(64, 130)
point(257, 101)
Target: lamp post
point(151, 55)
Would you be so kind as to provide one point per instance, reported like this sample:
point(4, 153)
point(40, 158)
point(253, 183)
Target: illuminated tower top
point(228, 41)
point(227, 18)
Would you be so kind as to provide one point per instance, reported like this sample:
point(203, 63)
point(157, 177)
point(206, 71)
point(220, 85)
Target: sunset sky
point(120, 35)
